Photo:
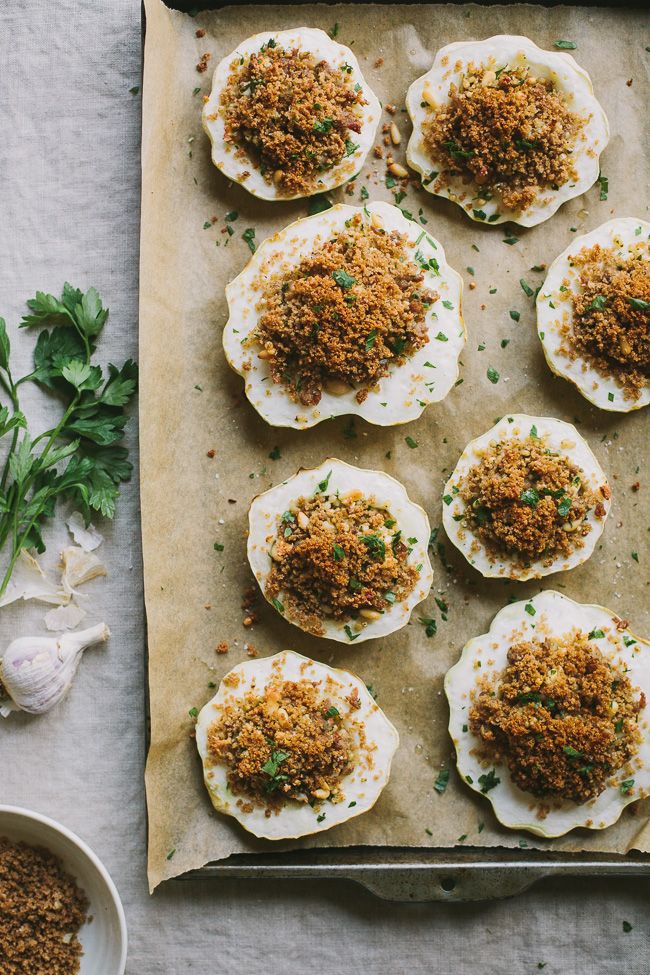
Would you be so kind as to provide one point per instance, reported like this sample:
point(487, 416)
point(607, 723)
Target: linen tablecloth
point(69, 170)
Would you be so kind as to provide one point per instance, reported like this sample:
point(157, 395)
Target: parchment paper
point(192, 403)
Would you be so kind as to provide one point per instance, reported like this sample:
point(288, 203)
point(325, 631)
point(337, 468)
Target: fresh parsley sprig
point(79, 458)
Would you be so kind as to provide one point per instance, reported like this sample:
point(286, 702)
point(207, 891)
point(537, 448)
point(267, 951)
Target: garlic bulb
point(36, 672)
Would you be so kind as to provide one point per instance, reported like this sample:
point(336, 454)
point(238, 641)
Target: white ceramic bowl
point(104, 939)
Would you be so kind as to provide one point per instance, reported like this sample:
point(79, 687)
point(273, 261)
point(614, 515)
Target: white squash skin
point(559, 433)
point(567, 75)
point(362, 786)
point(407, 390)
point(318, 43)
point(268, 507)
point(555, 615)
point(592, 384)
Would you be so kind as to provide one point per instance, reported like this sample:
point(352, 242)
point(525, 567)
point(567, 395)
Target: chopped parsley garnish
point(271, 767)
point(626, 787)
point(350, 635)
point(597, 304)
point(530, 497)
point(447, 304)
point(376, 548)
point(429, 624)
point(410, 442)
point(218, 547)
point(343, 279)
point(323, 485)
point(456, 152)
point(332, 713)
point(565, 45)
point(515, 315)
point(442, 781)
point(323, 125)
point(350, 147)
point(318, 203)
point(564, 507)
point(193, 712)
point(371, 339)
point(526, 287)
point(278, 605)
point(275, 454)
point(596, 635)
point(603, 182)
point(639, 304)
point(530, 609)
point(571, 752)
point(489, 780)
point(441, 337)
point(249, 237)
point(339, 554)
point(627, 927)
point(333, 31)
point(493, 375)
point(510, 239)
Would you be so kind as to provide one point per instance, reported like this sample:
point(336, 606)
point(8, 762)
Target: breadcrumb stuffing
point(293, 116)
point(41, 912)
point(611, 315)
point(526, 502)
point(561, 716)
point(288, 743)
point(507, 131)
point(344, 315)
point(339, 557)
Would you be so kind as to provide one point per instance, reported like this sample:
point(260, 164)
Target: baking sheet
point(192, 404)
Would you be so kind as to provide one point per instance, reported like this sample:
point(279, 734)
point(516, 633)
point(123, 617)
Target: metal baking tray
point(454, 875)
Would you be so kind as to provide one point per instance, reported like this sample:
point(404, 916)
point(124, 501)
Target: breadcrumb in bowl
point(267, 689)
point(526, 499)
point(607, 274)
point(340, 552)
point(294, 127)
point(359, 311)
point(552, 617)
point(554, 127)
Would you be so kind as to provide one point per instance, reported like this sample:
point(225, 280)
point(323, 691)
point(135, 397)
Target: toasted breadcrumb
point(526, 502)
point(41, 912)
point(338, 557)
point(287, 743)
point(508, 132)
point(611, 315)
point(344, 314)
point(561, 716)
point(292, 115)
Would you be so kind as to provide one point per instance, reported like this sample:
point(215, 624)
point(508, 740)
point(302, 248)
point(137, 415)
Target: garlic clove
point(37, 672)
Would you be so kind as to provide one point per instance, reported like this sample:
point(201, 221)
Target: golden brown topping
point(289, 742)
point(506, 131)
point(341, 558)
point(611, 315)
point(347, 312)
point(527, 502)
point(561, 717)
point(41, 911)
point(296, 117)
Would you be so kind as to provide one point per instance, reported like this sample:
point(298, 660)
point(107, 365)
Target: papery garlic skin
point(37, 672)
